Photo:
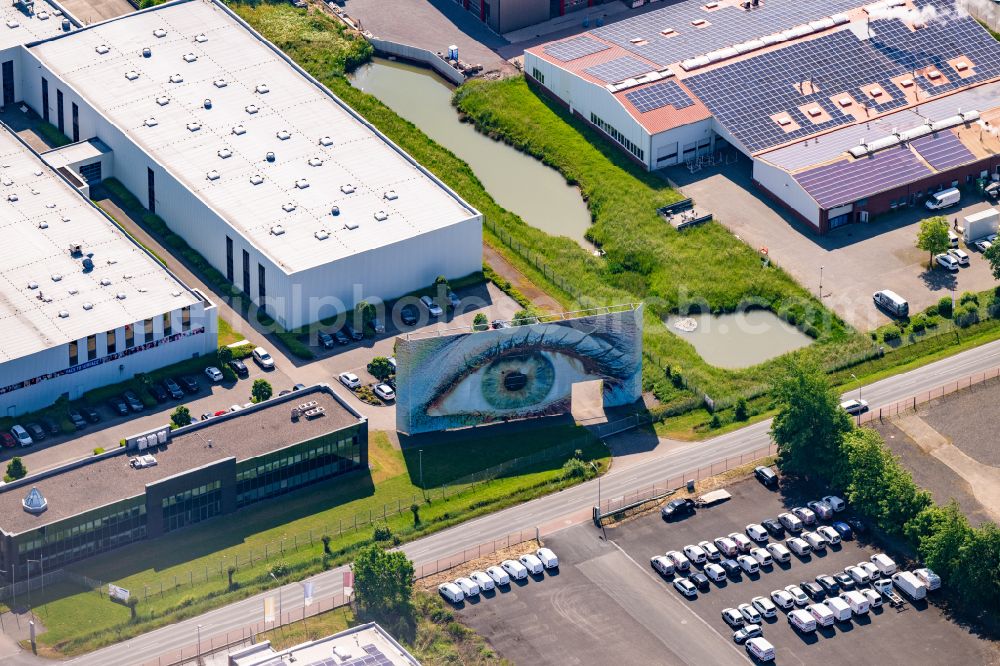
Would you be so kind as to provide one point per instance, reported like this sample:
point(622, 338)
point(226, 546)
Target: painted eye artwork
point(515, 373)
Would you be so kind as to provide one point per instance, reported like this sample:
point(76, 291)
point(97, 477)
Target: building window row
point(618, 136)
point(192, 506)
point(87, 537)
point(537, 75)
point(287, 470)
point(111, 337)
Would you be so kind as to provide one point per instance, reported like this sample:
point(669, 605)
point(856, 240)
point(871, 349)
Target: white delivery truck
point(892, 302)
point(980, 225)
point(928, 578)
point(909, 585)
point(841, 609)
point(760, 649)
point(944, 199)
point(884, 563)
point(821, 613)
point(858, 602)
point(802, 620)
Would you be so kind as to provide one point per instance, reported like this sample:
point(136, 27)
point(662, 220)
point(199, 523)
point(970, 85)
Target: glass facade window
point(91, 347)
point(167, 326)
point(147, 327)
point(192, 506)
point(186, 319)
point(129, 336)
point(74, 353)
point(112, 342)
point(284, 471)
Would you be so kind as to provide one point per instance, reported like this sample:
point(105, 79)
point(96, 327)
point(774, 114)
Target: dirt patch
point(960, 417)
point(517, 279)
point(430, 583)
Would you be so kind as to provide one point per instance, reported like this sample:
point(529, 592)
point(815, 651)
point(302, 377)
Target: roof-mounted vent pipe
point(269, 157)
point(208, 103)
point(147, 52)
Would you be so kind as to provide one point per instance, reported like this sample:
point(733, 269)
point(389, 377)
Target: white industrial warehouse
point(296, 199)
point(81, 304)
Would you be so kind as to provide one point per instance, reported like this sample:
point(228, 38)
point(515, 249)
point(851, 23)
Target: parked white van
point(762, 556)
point(531, 563)
point(822, 614)
point(909, 585)
point(892, 302)
point(715, 572)
point(663, 565)
point(548, 558)
point(790, 522)
point(798, 546)
point(944, 199)
point(469, 587)
point(815, 541)
point(779, 552)
point(681, 563)
point(841, 609)
point(928, 578)
point(831, 535)
point(748, 564)
point(860, 576)
point(802, 620)
point(451, 592)
point(884, 563)
point(727, 546)
point(858, 601)
point(835, 503)
point(760, 649)
point(514, 569)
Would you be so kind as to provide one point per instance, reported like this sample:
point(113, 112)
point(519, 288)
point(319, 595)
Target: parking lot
point(608, 604)
point(857, 260)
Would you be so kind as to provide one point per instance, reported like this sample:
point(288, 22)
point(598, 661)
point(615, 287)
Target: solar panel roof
point(848, 181)
point(658, 96)
point(837, 63)
point(574, 48)
point(943, 150)
point(726, 26)
point(619, 69)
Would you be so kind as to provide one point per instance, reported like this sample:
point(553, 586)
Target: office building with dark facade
point(204, 470)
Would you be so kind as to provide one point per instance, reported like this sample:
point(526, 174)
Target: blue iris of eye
point(518, 381)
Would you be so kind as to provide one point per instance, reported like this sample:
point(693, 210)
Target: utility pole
point(421, 455)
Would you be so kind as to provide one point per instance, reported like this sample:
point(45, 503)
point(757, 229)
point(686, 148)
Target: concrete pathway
point(984, 480)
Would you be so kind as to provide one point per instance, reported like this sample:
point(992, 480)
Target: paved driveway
point(856, 260)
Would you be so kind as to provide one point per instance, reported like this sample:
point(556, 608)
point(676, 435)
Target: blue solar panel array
point(846, 182)
point(574, 48)
point(373, 657)
point(619, 69)
point(745, 94)
point(727, 26)
point(659, 95)
point(943, 150)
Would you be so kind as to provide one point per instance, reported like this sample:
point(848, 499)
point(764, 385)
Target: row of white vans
point(484, 581)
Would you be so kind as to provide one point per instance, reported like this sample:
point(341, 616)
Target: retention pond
point(738, 340)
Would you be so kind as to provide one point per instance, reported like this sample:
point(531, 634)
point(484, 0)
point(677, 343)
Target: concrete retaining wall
point(416, 54)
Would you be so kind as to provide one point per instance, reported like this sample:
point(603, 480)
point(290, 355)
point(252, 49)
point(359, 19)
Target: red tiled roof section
point(666, 117)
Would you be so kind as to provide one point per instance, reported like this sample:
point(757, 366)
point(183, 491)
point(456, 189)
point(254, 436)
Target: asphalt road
point(564, 507)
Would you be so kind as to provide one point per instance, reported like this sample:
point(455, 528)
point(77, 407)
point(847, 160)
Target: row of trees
point(817, 441)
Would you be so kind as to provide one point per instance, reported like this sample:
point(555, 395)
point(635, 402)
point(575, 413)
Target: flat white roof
point(20, 27)
point(206, 53)
point(364, 645)
point(41, 216)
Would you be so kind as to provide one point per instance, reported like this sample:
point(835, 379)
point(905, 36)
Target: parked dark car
point(77, 418)
point(500, 323)
point(699, 580)
point(158, 393)
point(91, 414)
point(118, 406)
point(188, 383)
point(239, 367)
point(774, 528)
point(7, 440)
point(845, 581)
point(133, 401)
point(731, 567)
point(814, 591)
point(843, 529)
point(51, 425)
point(353, 333)
point(325, 339)
point(857, 525)
point(36, 431)
point(766, 476)
point(173, 388)
point(409, 315)
point(298, 387)
point(341, 339)
point(677, 508)
point(829, 584)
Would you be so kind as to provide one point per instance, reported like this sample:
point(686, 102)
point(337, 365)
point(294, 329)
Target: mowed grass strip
point(191, 564)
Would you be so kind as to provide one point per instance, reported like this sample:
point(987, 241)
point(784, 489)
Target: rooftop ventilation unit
point(256, 179)
point(284, 135)
point(390, 195)
point(322, 234)
point(35, 502)
point(288, 207)
point(73, 292)
point(13, 23)
point(43, 298)
point(159, 32)
point(88, 264)
point(326, 141)
point(347, 188)
point(147, 52)
point(381, 216)
point(88, 305)
point(350, 226)
point(699, 23)
point(315, 161)
point(207, 103)
point(63, 314)
point(225, 153)
point(102, 48)
point(194, 126)
point(212, 175)
point(105, 282)
point(239, 130)
point(120, 295)
point(668, 31)
point(220, 83)
point(262, 88)
point(961, 65)
point(43, 225)
point(12, 197)
point(277, 230)
point(251, 109)
point(933, 74)
point(131, 75)
point(269, 157)
point(190, 57)
point(163, 100)
point(335, 211)
point(176, 78)
point(42, 15)
point(302, 183)
point(32, 285)
point(201, 38)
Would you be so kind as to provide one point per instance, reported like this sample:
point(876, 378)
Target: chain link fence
point(910, 404)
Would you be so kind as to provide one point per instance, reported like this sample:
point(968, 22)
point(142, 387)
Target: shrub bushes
point(944, 307)
point(891, 334)
point(966, 315)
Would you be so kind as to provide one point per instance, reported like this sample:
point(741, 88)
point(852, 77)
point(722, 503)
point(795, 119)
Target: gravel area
point(961, 417)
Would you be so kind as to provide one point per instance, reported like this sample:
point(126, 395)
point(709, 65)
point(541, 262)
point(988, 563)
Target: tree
point(480, 321)
point(181, 416)
point(979, 566)
point(810, 423)
point(364, 313)
point(933, 237)
point(741, 412)
point(261, 390)
point(15, 470)
point(528, 315)
point(939, 533)
point(993, 256)
point(225, 355)
point(415, 508)
point(383, 582)
point(380, 368)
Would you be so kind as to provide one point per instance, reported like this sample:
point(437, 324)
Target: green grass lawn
point(227, 335)
point(191, 564)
